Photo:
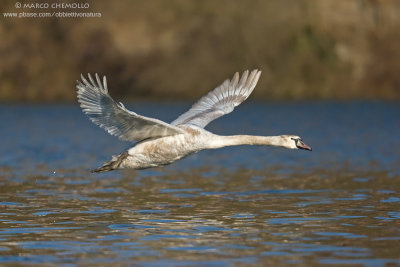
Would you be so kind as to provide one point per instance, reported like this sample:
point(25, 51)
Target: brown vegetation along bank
point(181, 49)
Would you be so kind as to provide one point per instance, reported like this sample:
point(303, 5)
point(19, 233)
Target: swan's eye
point(296, 140)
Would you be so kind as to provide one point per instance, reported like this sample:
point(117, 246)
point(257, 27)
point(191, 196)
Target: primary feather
point(220, 101)
point(114, 117)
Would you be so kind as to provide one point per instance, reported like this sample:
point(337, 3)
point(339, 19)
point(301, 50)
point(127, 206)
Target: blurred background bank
point(307, 49)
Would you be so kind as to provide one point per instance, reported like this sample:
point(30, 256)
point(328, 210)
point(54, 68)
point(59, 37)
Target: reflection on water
point(339, 204)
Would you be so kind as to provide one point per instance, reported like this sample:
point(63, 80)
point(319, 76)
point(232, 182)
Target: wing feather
point(220, 101)
point(96, 102)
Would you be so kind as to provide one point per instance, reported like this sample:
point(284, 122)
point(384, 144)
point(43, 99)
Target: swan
point(160, 143)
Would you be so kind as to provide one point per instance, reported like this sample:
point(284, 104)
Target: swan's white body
point(161, 143)
point(165, 150)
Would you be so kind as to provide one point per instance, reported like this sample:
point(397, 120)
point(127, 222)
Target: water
point(339, 204)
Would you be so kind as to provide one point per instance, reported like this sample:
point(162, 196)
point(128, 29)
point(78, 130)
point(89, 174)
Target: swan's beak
point(301, 145)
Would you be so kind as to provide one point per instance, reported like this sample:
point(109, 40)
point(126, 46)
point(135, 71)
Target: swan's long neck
point(237, 140)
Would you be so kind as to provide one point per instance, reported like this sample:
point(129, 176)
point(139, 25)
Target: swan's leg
point(113, 164)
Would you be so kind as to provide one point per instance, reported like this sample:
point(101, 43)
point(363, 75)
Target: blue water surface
point(247, 205)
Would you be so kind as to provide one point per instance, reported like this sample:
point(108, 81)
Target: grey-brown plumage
point(161, 143)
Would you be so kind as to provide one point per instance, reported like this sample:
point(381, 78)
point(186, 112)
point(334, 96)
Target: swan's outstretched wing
point(114, 117)
point(220, 101)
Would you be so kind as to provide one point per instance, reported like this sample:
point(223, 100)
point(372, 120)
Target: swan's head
point(294, 142)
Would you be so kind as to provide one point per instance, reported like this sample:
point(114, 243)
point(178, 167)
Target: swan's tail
point(113, 164)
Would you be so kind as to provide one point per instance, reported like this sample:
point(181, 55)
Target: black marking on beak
point(300, 145)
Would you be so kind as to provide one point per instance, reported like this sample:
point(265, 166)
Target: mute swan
point(161, 143)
